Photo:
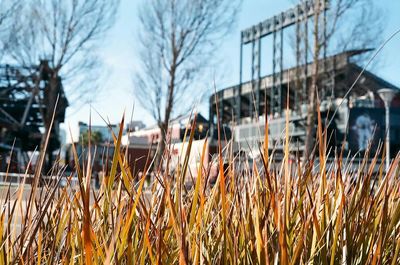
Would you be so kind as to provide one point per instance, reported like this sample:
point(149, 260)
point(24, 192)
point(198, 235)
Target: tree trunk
point(164, 125)
point(310, 130)
point(50, 102)
point(161, 145)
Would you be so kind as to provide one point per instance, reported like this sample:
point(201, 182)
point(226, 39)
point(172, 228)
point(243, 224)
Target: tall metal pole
point(281, 66)
point(239, 92)
point(258, 77)
point(274, 62)
point(298, 58)
point(305, 85)
point(387, 95)
point(387, 116)
point(253, 70)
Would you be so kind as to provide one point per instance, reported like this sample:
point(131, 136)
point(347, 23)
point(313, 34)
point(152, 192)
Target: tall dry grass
point(266, 212)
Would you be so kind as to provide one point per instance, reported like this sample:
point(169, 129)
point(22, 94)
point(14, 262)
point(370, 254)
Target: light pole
point(387, 95)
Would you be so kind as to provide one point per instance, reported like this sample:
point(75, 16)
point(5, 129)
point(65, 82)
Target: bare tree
point(65, 34)
point(7, 10)
point(178, 39)
point(347, 25)
point(352, 24)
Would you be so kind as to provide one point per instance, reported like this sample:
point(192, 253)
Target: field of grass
point(294, 212)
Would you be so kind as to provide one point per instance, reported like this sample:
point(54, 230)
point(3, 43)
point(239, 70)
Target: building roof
point(342, 64)
point(185, 119)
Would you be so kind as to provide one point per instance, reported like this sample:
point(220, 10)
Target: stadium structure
point(345, 89)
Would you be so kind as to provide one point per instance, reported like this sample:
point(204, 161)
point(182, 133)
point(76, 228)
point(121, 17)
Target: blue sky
point(118, 51)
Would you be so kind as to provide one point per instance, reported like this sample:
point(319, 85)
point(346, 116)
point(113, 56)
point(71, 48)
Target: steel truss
point(275, 26)
point(28, 98)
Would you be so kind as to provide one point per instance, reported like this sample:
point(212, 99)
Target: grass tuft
point(261, 211)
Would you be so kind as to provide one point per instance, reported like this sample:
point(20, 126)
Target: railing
point(15, 179)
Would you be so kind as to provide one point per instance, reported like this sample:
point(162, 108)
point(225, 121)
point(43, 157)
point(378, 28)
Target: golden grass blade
point(117, 146)
point(396, 253)
point(197, 187)
point(284, 258)
point(256, 212)
point(338, 225)
point(39, 247)
point(266, 139)
point(147, 241)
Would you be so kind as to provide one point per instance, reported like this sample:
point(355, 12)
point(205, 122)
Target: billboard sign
point(367, 125)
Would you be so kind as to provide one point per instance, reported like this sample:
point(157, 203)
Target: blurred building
point(177, 129)
point(103, 130)
point(345, 89)
point(134, 126)
point(142, 144)
point(360, 115)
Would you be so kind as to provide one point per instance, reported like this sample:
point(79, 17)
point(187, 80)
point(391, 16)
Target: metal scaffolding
point(28, 98)
point(275, 26)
